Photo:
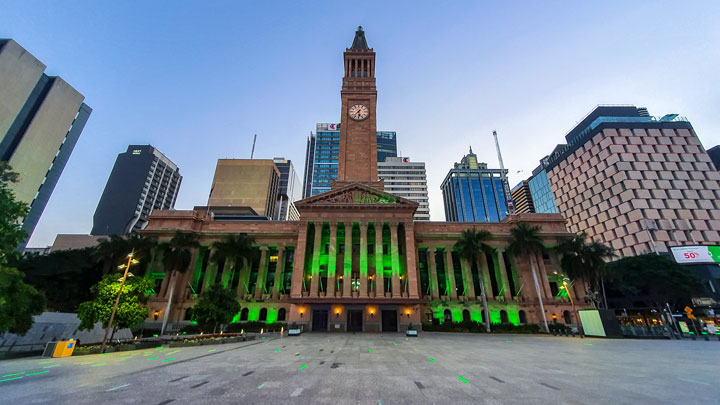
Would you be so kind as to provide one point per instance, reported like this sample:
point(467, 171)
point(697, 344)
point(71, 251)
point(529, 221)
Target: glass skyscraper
point(323, 151)
point(474, 193)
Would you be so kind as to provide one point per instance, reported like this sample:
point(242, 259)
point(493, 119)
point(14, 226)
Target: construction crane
point(510, 206)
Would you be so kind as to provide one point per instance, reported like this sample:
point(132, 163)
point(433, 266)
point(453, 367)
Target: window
point(522, 316)
point(447, 315)
point(281, 315)
point(244, 314)
point(263, 315)
point(466, 315)
point(504, 317)
point(566, 315)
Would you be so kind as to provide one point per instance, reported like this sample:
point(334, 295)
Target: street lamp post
point(130, 262)
point(572, 302)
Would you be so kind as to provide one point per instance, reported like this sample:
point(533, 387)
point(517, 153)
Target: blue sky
point(198, 79)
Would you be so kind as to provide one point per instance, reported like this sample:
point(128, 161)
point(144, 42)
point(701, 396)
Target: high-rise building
point(522, 198)
point(386, 145)
point(632, 181)
point(474, 193)
point(253, 183)
point(406, 179)
point(714, 153)
point(288, 193)
point(41, 119)
point(142, 180)
point(323, 151)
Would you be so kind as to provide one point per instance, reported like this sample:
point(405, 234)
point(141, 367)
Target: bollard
point(692, 335)
point(705, 336)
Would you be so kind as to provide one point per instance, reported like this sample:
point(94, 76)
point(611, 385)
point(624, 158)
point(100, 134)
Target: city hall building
point(356, 260)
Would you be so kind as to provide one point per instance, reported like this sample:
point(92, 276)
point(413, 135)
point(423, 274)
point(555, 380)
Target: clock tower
point(358, 125)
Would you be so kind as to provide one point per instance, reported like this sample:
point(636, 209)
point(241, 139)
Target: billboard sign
point(696, 254)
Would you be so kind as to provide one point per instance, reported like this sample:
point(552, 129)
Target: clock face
point(358, 112)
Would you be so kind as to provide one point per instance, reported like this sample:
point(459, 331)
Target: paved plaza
point(379, 369)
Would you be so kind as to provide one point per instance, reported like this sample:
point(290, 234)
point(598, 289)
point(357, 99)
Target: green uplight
point(159, 348)
point(692, 333)
point(10, 379)
point(463, 380)
point(431, 359)
point(39, 372)
point(166, 360)
point(304, 366)
point(153, 358)
point(155, 335)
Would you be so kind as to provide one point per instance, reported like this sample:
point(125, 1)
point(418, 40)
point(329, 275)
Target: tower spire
point(359, 43)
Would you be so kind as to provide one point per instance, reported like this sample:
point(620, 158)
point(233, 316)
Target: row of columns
point(356, 66)
point(466, 267)
point(346, 274)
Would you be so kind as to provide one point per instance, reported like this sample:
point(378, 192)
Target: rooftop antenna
point(509, 205)
point(252, 153)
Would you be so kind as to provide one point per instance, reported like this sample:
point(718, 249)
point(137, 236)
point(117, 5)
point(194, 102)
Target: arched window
point(244, 314)
point(504, 317)
point(447, 315)
point(566, 315)
point(429, 316)
point(523, 317)
point(263, 315)
point(281, 314)
point(466, 315)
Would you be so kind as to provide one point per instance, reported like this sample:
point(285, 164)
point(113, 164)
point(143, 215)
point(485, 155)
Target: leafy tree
point(654, 279)
point(130, 311)
point(471, 245)
point(234, 247)
point(525, 240)
point(586, 261)
point(11, 212)
point(217, 306)
point(177, 255)
point(65, 276)
point(18, 302)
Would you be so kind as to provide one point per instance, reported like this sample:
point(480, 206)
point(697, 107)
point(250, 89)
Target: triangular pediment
point(356, 194)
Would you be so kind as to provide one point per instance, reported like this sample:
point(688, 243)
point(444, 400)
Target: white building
point(406, 179)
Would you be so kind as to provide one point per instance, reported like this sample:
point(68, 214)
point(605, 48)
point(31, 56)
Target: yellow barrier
point(64, 348)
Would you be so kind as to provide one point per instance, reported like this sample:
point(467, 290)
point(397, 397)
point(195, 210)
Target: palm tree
point(234, 247)
point(525, 240)
point(176, 258)
point(110, 252)
point(586, 261)
point(471, 245)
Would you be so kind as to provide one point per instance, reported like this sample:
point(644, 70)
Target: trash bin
point(64, 348)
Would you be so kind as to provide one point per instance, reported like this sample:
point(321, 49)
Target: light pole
point(577, 314)
point(130, 262)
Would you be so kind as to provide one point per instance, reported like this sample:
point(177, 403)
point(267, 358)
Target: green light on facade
point(39, 372)
point(463, 380)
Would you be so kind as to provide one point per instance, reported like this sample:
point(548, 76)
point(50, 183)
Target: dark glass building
point(141, 181)
point(288, 192)
point(474, 193)
point(386, 145)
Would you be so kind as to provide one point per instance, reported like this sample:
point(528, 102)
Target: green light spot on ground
point(159, 348)
point(45, 362)
point(463, 380)
point(153, 358)
point(304, 366)
point(174, 351)
point(56, 365)
point(394, 342)
point(166, 360)
point(431, 359)
point(10, 375)
point(10, 379)
point(509, 341)
point(105, 354)
point(588, 344)
point(211, 350)
point(277, 350)
point(39, 372)
point(369, 350)
point(98, 365)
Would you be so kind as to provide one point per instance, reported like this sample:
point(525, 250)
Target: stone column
point(347, 266)
point(332, 282)
point(503, 274)
point(450, 273)
point(299, 267)
point(433, 274)
point(544, 282)
point(379, 266)
point(279, 270)
point(486, 276)
point(468, 279)
point(411, 259)
point(262, 270)
point(363, 260)
point(315, 264)
point(395, 260)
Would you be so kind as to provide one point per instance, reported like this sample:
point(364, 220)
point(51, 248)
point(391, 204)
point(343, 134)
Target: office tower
point(474, 193)
point(323, 151)
point(633, 181)
point(253, 183)
point(522, 198)
point(41, 118)
point(142, 180)
point(288, 193)
point(406, 179)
